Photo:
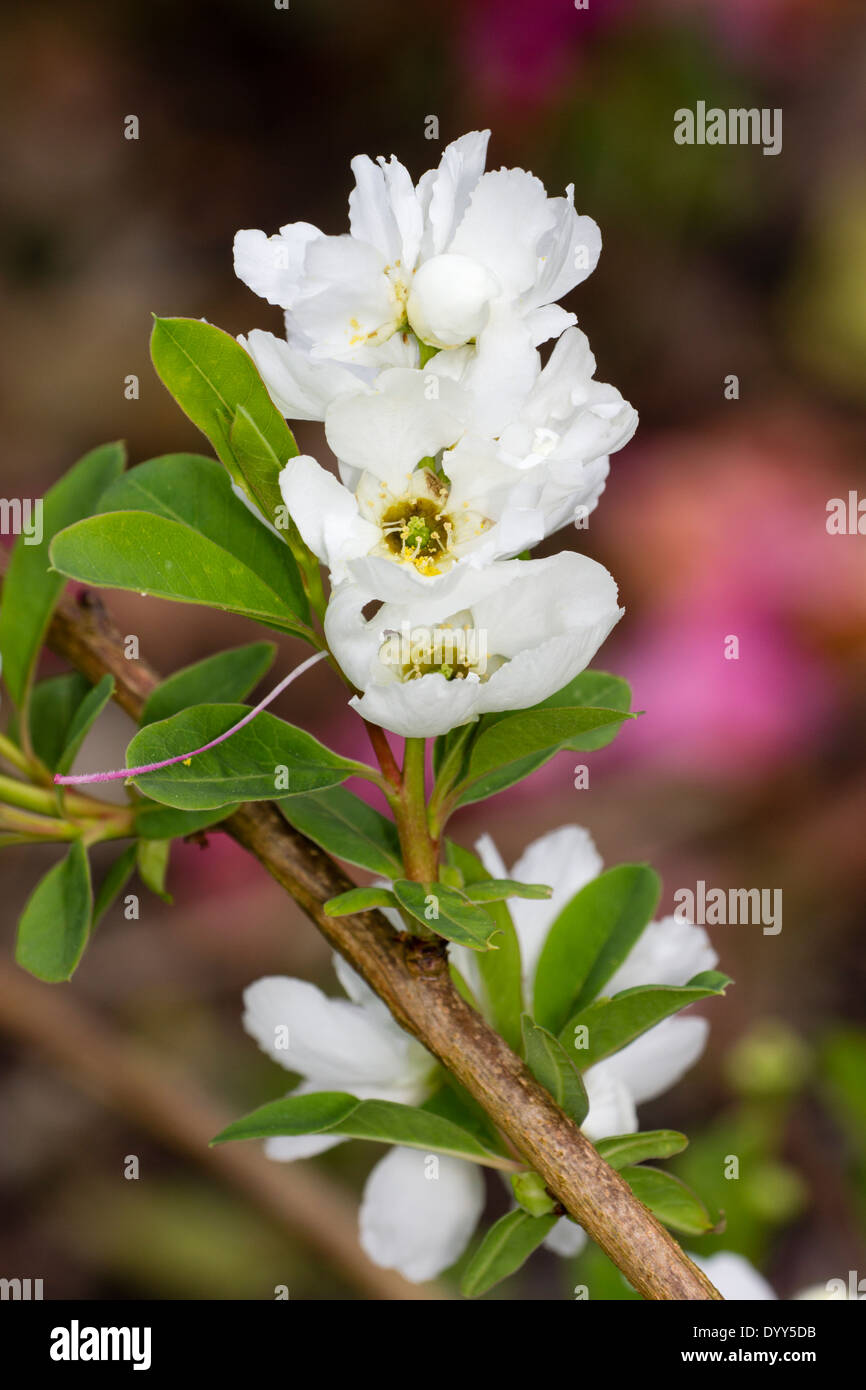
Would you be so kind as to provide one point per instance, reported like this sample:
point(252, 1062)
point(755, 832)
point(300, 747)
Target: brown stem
point(412, 978)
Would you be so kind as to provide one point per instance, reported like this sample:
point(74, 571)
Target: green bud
point(531, 1194)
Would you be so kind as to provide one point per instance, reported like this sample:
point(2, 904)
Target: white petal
point(548, 322)
point(656, 1060)
point(421, 708)
point(419, 1211)
point(567, 860)
point(445, 192)
point(666, 953)
point(565, 1239)
point(569, 252)
point(485, 848)
point(550, 621)
point(348, 303)
point(326, 514)
point(274, 266)
point(383, 209)
point(332, 1043)
point(611, 1108)
point(300, 388)
point(734, 1277)
point(502, 371)
point(388, 430)
point(508, 214)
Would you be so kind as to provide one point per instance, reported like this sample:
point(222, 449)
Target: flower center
point(456, 650)
point(418, 532)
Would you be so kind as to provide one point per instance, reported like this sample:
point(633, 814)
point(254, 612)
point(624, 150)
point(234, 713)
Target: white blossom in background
point(417, 1222)
point(519, 631)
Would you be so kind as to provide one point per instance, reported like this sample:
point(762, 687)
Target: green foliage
point(174, 529)
point(446, 911)
point(621, 1150)
point(152, 864)
point(550, 1064)
point(227, 676)
point(30, 588)
point(670, 1200)
point(215, 383)
point(585, 715)
point(505, 1247)
point(359, 900)
point(590, 938)
point(500, 970)
point(267, 756)
point(55, 923)
point(612, 1023)
point(347, 827)
point(385, 1122)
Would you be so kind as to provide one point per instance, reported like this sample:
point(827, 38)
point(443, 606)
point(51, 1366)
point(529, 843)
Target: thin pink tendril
point(126, 772)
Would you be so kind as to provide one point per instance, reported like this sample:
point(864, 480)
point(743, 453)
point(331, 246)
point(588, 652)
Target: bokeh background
point(716, 261)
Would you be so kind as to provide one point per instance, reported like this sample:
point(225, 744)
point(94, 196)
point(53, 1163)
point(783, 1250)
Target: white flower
point(417, 1215)
point(419, 1211)
point(488, 499)
point(501, 638)
point(735, 1278)
point(437, 259)
point(335, 1045)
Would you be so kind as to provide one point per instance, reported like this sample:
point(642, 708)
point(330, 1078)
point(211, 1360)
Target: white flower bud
point(448, 301)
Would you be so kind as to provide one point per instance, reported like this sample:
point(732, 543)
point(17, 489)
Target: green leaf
point(259, 465)
point(454, 1103)
point(621, 1150)
point(613, 1023)
point(165, 823)
point(215, 383)
point(152, 864)
point(195, 491)
point(229, 675)
point(113, 883)
point(493, 890)
point(55, 923)
point(593, 689)
point(347, 827)
point(383, 1121)
point(247, 767)
point(359, 900)
point(53, 704)
point(83, 720)
point(534, 731)
point(598, 690)
point(500, 970)
point(503, 1250)
point(590, 938)
point(451, 914)
point(308, 1114)
point(670, 1200)
point(147, 553)
point(30, 589)
point(550, 1064)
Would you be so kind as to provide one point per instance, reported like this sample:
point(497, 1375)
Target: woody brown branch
point(414, 982)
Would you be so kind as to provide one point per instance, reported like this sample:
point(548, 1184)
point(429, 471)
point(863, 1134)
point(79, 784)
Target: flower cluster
point(415, 339)
point(409, 1222)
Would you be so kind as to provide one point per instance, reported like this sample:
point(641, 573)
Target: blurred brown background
point(716, 261)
